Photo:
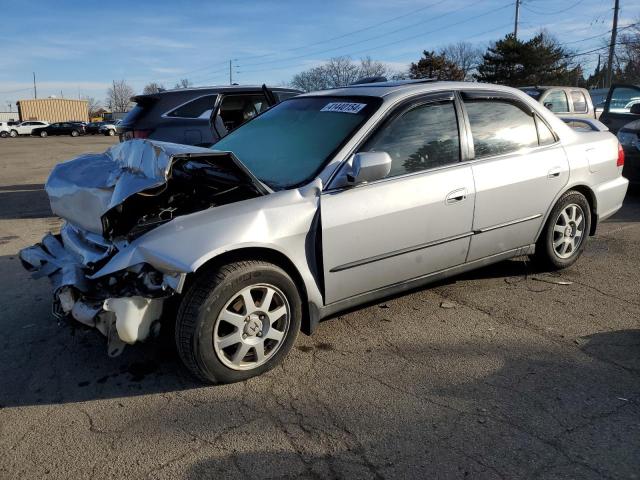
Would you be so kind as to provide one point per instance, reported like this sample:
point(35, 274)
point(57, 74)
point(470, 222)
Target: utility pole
point(35, 91)
point(612, 45)
point(230, 73)
point(515, 27)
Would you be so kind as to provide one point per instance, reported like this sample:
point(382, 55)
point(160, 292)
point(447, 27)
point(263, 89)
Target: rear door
point(519, 167)
point(617, 109)
point(414, 222)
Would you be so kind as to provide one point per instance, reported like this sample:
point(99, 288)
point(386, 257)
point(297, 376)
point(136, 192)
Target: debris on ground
point(447, 305)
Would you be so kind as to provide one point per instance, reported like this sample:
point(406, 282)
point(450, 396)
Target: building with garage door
point(53, 110)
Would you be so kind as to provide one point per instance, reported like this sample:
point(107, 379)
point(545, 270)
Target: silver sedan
point(326, 201)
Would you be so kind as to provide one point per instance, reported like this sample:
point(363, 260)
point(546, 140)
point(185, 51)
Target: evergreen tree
point(538, 61)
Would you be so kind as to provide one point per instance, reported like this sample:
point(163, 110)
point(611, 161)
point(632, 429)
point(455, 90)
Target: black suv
point(198, 116)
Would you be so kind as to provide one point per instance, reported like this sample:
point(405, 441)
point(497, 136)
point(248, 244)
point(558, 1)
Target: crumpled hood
point(82, 190)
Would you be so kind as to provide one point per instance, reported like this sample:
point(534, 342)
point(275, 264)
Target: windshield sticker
point(343, 107)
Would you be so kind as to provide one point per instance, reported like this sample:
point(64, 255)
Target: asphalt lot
point(503, 373)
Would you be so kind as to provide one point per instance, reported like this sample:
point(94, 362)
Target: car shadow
point(24, 201)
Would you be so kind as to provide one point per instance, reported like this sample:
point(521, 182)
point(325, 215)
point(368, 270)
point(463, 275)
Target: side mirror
point(635, 109)
point(369, 166)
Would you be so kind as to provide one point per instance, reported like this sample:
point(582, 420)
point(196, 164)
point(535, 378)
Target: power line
point(412, 37)
point(526, 7)
point(368, 38)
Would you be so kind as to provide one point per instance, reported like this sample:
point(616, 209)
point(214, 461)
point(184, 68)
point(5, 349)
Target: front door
point(617, 109)
point(414, 222)
point(519, 168)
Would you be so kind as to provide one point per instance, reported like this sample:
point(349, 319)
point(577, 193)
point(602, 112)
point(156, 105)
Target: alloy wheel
point(568, 231)
point(251, 327)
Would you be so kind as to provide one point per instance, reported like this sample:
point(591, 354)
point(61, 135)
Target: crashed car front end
point(110, 200)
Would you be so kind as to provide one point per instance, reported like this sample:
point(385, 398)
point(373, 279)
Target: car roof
point(224, 89)
point(401, 88)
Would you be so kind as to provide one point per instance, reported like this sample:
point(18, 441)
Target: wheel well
point(267, 255)
point(591, 198)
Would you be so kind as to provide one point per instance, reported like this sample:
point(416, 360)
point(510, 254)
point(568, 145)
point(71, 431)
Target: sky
point(77, 48)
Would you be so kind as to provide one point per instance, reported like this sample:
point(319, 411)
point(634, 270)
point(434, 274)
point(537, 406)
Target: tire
point(74, 133)
point(565, 234)
point(214, 311)
point(43, 134)
point(4, 134)
point(14, 133)
point(111, 133)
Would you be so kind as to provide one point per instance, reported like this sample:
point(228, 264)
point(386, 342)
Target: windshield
point(289, 144)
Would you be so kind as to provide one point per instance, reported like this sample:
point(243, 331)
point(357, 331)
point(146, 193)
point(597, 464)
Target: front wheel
point(111, 133)
point(4, 134)
point(238, 321)
point(14, 133)
point(74, 133)
point(43, 134)
point(563, 239)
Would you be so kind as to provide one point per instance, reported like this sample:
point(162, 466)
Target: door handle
point(456, 196)
point(554, 172)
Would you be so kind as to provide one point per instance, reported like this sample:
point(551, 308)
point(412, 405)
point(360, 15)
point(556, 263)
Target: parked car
point(25, 128)
point(622, 115)
point(93, 128)
point(326, 201)
point(4, 130)
point(564, 101)
point(110, 128)
point(61, 128)
point(197, 116)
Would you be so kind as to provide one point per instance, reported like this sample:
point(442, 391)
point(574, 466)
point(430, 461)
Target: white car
point(4, 129)
point(25, 128)
point(109, 128)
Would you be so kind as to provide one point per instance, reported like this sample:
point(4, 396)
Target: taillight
point(620, 162)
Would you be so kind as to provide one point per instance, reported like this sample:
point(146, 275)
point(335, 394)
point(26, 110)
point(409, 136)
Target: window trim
point(395, 111)
point(504, 96)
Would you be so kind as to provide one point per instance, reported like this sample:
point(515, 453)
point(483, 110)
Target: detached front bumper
point(125, 306)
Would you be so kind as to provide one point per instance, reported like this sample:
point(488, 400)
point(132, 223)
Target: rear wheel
point(43, 134)
point(4, 134)
point(238, 321)
point(564, 236)
point(111, 132)
point(74, 133)
point(14, 133)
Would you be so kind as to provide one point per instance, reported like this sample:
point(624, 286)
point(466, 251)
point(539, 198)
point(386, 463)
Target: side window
point(545, 135)
point(579, 101)
point(557, 102)
point(500, 127)
point(237, 109)
point(623, 98)
point(198, 108)
point(421, 138)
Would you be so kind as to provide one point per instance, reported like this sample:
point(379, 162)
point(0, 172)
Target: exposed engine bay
point(108, 200)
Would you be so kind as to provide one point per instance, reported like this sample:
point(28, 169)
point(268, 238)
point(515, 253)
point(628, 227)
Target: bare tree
point(153, 87)
point(119, 96)
point(184, 83)
point(465, 56)
point(93, 105)
point(338, 72)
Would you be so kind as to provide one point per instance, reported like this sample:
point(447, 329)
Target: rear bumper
point(631, 169)
point(609, 197)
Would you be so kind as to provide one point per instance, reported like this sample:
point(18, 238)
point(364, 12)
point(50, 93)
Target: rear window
point(579, 101)
point(199, 108)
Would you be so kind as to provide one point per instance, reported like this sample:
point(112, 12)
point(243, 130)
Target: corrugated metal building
point(53, 109)
point(9, 116)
